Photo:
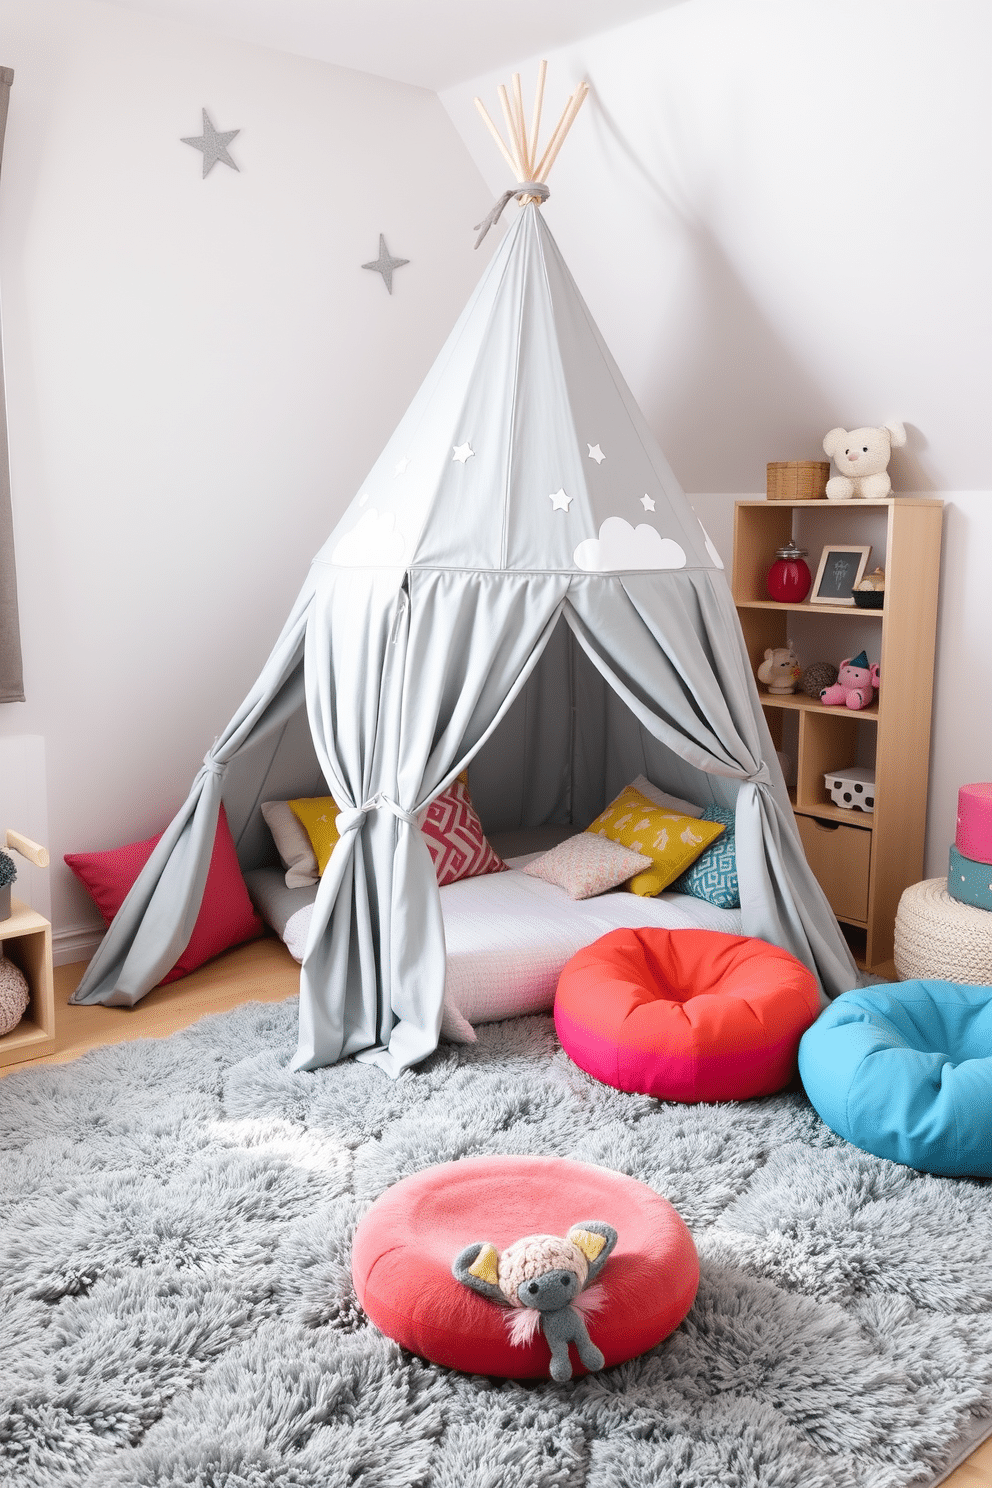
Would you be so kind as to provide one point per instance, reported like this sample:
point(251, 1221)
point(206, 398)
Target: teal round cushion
point(904, 1070)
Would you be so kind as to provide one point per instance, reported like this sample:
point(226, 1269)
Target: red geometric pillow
point(455, 839)
point(227, 916)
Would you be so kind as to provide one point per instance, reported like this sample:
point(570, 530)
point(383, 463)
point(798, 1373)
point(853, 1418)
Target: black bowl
point(869, 599)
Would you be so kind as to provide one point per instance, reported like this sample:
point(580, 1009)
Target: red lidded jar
point(789, 577)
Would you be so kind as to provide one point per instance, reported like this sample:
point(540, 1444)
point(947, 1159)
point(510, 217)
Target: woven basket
point(797, 480)
point(939, 939)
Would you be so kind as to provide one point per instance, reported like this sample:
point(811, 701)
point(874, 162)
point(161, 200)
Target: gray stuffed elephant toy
point(541, 1278)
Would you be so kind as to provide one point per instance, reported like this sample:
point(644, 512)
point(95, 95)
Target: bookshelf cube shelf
point(862, 860)
point(26, 938)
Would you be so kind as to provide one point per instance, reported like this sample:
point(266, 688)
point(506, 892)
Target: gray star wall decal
point(385, 264)
point(213, 143)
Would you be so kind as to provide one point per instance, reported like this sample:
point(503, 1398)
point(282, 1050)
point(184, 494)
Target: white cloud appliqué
point(372, 543)
point(621, 547)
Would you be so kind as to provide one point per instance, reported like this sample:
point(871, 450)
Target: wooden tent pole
point(521, 153)
point(535, 127)
point(558, 139)
point(518, 118)
point(514, 146)
point(496, 136)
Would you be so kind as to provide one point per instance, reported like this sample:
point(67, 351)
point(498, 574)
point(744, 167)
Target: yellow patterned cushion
point(670, 840)
point(316, 815)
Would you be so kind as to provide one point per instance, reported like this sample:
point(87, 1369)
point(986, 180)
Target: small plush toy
point(780, 671)
point(862, 457)
point(540, 1279)
point(856, 684)
point(818, 676)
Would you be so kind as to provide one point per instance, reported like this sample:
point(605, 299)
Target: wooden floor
point(263, 971)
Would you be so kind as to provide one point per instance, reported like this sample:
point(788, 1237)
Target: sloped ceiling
point(430, 43)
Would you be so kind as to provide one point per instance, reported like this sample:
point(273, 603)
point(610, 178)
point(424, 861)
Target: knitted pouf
point(14, 995)
point(937, 936)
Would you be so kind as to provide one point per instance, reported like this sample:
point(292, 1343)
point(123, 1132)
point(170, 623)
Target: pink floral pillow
point(455, 838)
point(586, 865)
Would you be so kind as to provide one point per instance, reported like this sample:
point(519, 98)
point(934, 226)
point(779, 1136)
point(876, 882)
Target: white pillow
point(292, 844)
point(664, 800)
point(587, 865)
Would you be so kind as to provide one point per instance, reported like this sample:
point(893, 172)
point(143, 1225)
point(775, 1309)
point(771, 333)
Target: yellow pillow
point(671, 840)
point(316, 816)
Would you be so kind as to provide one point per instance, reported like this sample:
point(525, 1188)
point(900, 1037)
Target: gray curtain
point(154, 924)
point(405, 680)
point(11, 672)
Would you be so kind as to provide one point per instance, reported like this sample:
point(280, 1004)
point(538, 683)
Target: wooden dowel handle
point(33, 851)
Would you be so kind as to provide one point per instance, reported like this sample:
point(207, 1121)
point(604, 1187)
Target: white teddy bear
point(861, 457)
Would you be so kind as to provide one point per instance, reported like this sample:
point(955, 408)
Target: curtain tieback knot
point(214, 766)
point(350, 821)
point(526, 188)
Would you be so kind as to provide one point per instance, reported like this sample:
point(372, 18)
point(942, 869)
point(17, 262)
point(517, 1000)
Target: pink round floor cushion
point(406, 1244)
point(686, 1015)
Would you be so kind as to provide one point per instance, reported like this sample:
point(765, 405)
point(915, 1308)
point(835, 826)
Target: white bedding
point(508, 936)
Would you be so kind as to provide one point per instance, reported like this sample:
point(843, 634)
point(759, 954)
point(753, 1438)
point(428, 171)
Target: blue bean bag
point(904, 1070)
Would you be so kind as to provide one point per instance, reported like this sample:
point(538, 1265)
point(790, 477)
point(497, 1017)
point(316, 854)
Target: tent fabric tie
point(350, 821)
point(526, 188)
point(214, 766)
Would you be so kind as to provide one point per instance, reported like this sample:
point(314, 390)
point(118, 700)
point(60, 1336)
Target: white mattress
point(508, 936)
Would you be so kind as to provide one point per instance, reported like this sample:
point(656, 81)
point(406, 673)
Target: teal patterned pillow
point(713, 876)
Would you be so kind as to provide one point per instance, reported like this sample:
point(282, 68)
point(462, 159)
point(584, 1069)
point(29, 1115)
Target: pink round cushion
point(686, 1015)
point(405, 1245)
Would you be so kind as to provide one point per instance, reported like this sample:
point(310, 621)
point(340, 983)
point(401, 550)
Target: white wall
point(779, 213)
point(199, 374)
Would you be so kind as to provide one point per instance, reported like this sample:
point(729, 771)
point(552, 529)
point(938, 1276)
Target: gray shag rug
point(177, 1305)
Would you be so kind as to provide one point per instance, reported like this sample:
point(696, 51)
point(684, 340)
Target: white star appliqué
point(401, 466)
point(463, 452)
point(647, 502)
point(595, 453)
point(559, 501)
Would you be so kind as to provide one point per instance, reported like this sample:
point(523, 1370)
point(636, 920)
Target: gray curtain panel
point(522, 491)
point(11, 672)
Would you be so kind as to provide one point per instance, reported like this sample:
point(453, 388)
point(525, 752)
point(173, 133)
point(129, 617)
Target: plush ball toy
point(545, 1282)
point(780, 671)
point(862, 457)
point(14, 995)
point(818, 676)
point(856, 684)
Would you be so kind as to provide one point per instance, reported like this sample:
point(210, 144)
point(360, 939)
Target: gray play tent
point(520, 583)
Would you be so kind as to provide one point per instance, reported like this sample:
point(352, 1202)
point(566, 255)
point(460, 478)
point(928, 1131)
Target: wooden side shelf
point(863, 860)
point(27, 941)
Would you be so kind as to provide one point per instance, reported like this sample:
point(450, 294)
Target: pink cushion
point(973, 837)
point(455, 838)
point(227, 916)
point(686, 1015)
point(405, 1245)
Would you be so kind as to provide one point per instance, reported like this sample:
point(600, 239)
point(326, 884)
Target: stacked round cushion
point(904, 1070)
point(969, 870)
point(687, 1015)
point(406, 1244)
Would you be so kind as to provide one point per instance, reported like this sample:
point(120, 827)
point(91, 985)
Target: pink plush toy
point(856, 684)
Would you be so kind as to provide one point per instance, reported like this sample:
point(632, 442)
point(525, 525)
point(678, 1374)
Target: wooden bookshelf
point(863, 860)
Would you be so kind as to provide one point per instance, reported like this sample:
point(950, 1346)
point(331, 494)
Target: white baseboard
point(75, 944)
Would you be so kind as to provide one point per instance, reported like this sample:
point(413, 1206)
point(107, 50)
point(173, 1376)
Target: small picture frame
point(840, 570)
